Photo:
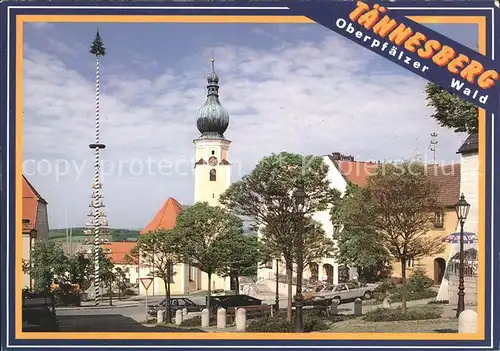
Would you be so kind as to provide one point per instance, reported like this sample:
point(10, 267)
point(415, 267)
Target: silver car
point(343, 292)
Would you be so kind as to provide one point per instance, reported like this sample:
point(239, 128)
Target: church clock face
point(212, 161)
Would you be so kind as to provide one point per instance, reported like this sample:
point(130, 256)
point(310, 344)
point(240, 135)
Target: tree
point(245, 253)
point(451, 111)
point(203, 232)
point(120, 276)
point(359, 247)
point(47, 265)
point(78, 270)
point(158, 250)
point(266, 195)
point(398, 203)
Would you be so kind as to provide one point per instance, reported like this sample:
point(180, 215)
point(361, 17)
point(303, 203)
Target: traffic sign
point(146, 282)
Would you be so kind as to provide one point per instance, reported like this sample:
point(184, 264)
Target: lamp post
point(462, 208)
point(300, 198)
point(277, 297)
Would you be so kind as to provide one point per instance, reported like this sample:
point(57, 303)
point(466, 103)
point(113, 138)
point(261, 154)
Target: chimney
point(336, 156)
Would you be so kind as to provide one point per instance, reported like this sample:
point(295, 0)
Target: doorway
point(439, 269)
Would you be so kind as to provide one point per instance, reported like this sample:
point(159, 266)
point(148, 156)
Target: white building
point(469, 187)
point(342, 170)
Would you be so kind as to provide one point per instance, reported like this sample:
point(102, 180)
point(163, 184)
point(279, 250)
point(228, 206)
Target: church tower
point(212, 169)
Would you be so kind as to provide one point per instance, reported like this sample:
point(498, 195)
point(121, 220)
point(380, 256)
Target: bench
point(251, 311)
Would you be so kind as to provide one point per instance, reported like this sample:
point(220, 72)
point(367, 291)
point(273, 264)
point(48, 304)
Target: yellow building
point(447, 179)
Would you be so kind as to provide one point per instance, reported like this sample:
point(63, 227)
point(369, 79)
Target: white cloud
point(308, 98)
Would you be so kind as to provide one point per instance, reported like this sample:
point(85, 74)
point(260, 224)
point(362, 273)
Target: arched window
point(213, 175)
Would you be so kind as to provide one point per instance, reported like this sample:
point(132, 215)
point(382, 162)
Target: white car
point(343, 292)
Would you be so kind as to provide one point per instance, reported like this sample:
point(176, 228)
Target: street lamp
point(300, 200)
point(462, 207)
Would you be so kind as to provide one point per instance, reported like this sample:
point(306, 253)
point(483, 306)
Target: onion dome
point(213, 118)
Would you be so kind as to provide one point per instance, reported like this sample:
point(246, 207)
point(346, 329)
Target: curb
point(94, 307)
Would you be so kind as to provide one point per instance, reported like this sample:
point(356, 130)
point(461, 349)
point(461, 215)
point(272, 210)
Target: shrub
point(279, 324)
point(390, 315)
point(268, 324)
point(419, 281)
point(413, 295)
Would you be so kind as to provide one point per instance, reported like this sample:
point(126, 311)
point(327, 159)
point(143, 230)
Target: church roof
point(213, 118)
point(166, 216)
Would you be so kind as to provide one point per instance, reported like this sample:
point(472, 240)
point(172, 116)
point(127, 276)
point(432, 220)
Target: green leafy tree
point(120, 275)
point(47, 265)
point(203, 232)
point(244, 255)
point(266, 195)
point(78, 270)
point(158, 251)
point(398, 203)
point(359, 247)
point(450, 111)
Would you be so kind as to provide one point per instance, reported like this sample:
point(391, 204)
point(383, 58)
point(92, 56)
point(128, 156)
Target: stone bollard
point(358, 307)
point(334, 308)
point(184, 311)
point(241, 320)
point(221, 318)
point(178, 317)
point(159, 316)
point(467, 322)
point(205, 322)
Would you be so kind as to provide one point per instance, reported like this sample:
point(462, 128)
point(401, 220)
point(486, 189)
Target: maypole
point(98, 220)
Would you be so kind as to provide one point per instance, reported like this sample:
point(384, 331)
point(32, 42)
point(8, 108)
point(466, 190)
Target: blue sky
point(298, 88)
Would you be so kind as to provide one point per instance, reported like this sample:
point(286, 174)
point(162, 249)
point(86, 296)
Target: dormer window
point(213, 175)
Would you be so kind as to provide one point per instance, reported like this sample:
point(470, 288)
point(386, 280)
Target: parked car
point(176, 303)
point(344, 292)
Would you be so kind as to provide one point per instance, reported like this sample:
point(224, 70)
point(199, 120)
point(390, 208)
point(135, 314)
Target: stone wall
point(470, 290)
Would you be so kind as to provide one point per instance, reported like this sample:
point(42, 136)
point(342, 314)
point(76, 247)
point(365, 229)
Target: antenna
point(432, 146)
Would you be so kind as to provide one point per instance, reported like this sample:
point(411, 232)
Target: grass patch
point(412, 314)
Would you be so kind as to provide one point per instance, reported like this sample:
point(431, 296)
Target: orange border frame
point(21, 19)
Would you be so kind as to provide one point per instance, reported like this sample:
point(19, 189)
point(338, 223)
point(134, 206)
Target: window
point(137, 269)
point(191, 273)
point(410, 262)
point(213, 152)
point(213, 175)
point(269, 264)
point(439, 220)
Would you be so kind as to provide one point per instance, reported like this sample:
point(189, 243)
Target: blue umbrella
point(454, 238)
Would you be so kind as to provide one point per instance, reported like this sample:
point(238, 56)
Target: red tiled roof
point(31, 198)
point(356, 172)
point(166, 216)
point(118, 251)
point(447, 179)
